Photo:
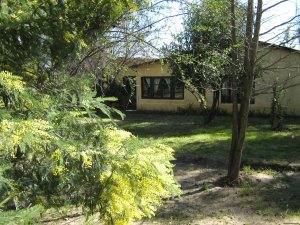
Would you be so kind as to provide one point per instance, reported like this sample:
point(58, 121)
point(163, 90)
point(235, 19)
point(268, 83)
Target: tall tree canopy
point(38, 35)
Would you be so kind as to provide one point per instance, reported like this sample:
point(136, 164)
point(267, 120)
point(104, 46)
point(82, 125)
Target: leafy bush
point(23, 216)
point(62, 153)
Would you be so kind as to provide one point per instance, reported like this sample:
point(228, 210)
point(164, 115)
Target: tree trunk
point(232, 170)
point(240, 120)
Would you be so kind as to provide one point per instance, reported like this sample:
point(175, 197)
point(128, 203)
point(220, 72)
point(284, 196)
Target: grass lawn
point(188, 136)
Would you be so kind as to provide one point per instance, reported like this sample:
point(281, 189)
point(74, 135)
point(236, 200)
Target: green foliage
point(7, 190)
point(20, 217)
point(10, 84)
point(249, 170)
point(277, 112)
point(247, 189)
point(123, 91)
point(59, 150)
point(6, 186)
point(37, 36)
point(62, 153)
point(200, 55)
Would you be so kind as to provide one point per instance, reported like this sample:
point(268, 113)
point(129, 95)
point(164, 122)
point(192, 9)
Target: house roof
point(136, 62)
point(266, 44)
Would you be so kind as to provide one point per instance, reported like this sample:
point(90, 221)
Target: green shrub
point(62, 153)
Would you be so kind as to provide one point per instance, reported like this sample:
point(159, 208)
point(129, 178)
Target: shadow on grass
point(273, 148)
point(264, 148)
point(276, 150)
point(159, 126)
point(215, 150)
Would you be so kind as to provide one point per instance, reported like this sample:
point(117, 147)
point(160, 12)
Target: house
point(157, 90)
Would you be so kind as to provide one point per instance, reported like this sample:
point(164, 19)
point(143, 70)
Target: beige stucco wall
point(283, 67)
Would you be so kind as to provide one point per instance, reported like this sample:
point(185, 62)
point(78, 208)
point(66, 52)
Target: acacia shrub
point(61, 152)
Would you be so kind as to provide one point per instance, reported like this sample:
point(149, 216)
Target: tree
point(251, 69)
point(38, 36)
point(240, 117)
point(200, 56)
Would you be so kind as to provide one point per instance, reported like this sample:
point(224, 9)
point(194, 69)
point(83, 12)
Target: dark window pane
point(178, 90)
point(156, 91)
point(165, 85)
point(161, 88)
point(146, 88)
point(226, 93)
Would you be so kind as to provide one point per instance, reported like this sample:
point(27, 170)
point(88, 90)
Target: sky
point(278, 15)
point(273, 17)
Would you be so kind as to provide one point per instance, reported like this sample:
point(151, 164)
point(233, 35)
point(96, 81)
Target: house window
point(162, 88)
point(226, 94)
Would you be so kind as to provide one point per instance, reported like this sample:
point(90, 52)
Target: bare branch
point(279, 25)
point(272, 6)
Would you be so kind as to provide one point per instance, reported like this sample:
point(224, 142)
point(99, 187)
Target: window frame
point(172, 88)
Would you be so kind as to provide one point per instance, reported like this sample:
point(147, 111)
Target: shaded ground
point(265, 199)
